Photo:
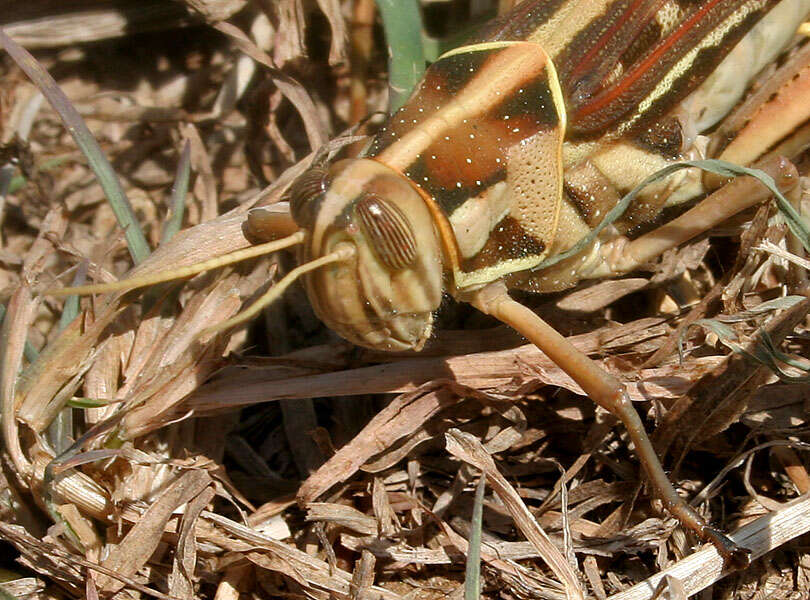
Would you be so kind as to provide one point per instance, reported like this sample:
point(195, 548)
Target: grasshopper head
point(385, 295)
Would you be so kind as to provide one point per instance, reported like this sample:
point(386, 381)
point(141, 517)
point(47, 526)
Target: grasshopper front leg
point(608, 392)
point(621, 256)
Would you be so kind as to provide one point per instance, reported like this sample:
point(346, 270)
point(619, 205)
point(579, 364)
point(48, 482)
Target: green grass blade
point(82, 402)
point(177, 204)
point(795, 221)
point(764, 352)
point(472, 572)
point(60, 431)
point(138, 247)
point(402, 22)
point(71, 308)
point(7, 180)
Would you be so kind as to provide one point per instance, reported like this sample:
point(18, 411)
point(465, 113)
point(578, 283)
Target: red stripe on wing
point(603, 100)
point(608, 38)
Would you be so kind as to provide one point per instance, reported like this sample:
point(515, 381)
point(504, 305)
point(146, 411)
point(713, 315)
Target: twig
point(705, 567)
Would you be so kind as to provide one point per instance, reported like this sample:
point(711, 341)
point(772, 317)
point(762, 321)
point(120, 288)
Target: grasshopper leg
point(608, 392)
point(622, 256)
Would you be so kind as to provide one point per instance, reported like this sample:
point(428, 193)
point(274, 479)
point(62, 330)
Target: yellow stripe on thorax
point(557, 32)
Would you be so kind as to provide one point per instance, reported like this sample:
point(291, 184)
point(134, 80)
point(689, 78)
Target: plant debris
point(143, 456)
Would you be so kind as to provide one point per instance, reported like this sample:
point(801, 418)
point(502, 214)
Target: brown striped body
point(518, 145)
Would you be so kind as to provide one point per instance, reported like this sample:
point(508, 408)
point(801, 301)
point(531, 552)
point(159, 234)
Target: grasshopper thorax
point(385, 295)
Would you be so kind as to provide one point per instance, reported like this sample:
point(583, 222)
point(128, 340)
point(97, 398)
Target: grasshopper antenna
point(220, 261)
point(344, 252)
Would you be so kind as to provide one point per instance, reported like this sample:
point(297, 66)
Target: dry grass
point(280, 461)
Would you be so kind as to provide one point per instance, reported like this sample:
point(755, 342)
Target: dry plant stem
point(697, 312)
point(797, 275)
point(362, 41)
point(609, 393)
point(469, 449)
point(493, 370)
point(24, 587)
point(31, 546)
point(181, 579)
point(216, 10)
point(748, 239)
point(68, 24)
point(531, 583)
point(237, 579)
point(332, 10)
point(183, 272)
point(591, 569)
point(705, 567)
point(692, 415)
point(57, 365)
point(363, 576)
point(72, 487)
point(294, 91)
point(62, 358)
point(311, 572)
point(140, 542)
point(18, 318)
point(400, 418)
point(794, 467)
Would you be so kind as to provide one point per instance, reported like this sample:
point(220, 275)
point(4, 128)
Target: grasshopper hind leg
point(609, 393)
point(623, 256)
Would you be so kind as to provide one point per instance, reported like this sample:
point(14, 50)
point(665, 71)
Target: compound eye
point(305, 196)
point(388, 229)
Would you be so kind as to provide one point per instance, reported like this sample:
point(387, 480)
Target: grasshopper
point(511, 152)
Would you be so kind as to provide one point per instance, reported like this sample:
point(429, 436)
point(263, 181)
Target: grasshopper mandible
point(513, 149)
